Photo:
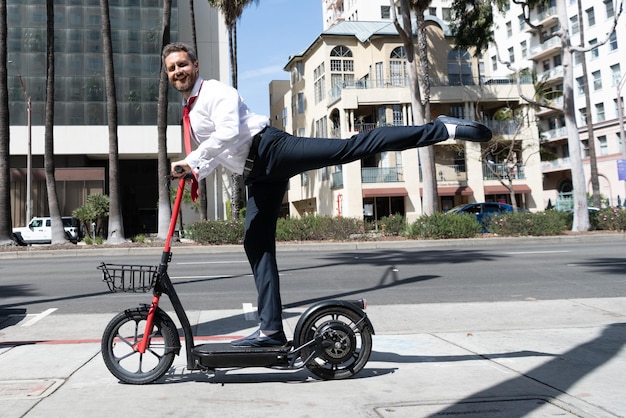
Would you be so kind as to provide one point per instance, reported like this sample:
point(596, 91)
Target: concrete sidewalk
point(504, 359)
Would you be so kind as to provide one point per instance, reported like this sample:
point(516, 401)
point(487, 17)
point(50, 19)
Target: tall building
point(605, 64)
point(80, 122)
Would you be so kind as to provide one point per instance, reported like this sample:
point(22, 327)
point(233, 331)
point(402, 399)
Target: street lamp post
point(29, 156)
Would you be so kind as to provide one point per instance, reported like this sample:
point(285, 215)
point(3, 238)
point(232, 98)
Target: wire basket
point(127, 277)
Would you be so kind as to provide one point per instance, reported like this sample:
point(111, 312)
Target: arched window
point(460, 68)
point(397, 66)
point(341, 69)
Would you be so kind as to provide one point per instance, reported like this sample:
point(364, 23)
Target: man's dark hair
point(177, 47)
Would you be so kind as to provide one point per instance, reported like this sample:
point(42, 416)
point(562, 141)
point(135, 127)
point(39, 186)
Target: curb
point(317, 246)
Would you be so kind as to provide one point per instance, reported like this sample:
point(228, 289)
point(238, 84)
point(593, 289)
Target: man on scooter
point(227, 133)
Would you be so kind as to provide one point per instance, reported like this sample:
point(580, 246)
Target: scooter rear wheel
point(344, 343)
point(124, 362)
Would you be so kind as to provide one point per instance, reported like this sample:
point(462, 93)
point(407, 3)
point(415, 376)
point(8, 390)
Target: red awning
point(385, 192)
point(500, 189)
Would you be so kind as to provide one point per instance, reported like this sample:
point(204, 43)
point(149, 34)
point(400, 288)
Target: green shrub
point(392, 225)
point(217, 232)
point(550, 222)
point(442, 225)
point(317, 228)
point(610, 219)
point(139, 238)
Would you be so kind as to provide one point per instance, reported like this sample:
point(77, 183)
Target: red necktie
point(187, 141)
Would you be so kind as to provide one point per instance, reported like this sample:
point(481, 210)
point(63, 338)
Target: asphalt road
point(384, 276)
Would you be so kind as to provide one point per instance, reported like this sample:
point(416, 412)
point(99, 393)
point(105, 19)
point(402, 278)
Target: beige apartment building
point(353, 77)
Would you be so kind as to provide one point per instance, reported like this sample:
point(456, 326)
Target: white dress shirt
point(222, 126)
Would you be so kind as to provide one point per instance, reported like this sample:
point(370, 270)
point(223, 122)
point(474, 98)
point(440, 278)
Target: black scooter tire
point(338, 358)
point(125, 330)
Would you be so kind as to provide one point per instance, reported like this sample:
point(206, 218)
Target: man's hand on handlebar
point(180, 169)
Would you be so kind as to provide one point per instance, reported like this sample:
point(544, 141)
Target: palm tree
point(421, 108)
point(116, 226)
point(5, 181)
point(202, 197)
point(232, 10)
point(58, 232)
point(165, 209)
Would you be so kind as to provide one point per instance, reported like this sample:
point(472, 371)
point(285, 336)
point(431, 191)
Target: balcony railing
point(553, 133)
point(452, 172)
point(403, 82)
point(381, 174)
point(498, 171)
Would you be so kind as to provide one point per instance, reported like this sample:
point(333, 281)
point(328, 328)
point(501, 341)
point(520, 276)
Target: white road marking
point(249, 311)
point(38, 317)
point(535, 252)
point(211, 262)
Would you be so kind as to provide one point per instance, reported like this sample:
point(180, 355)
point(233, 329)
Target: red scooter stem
point(175, 211)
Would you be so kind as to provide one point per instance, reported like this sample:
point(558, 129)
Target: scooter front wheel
point(343, 343)
point(120, 338)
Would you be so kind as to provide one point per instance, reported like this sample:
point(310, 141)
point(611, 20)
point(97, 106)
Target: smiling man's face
point(182, 73)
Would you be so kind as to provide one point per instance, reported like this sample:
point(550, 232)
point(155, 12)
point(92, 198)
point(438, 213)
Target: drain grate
point(28, 389)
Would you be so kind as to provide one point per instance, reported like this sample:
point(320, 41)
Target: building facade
point(80, 123)
point(521, 44)
point(354, 78)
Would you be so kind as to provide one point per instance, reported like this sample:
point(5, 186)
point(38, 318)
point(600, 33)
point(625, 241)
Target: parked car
point(39, 231)
point(484, 210)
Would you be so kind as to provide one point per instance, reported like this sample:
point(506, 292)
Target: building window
point(613, 41)
point(494, 63)
point(583, 115)
point(580, 85)
point(300, 102)
point(284, 117)
point(573, 24)
point(585, 147)
point(397, 66)
point(341, 68)
point(522, 22)
point(509, 29)
point(398, 117)
point(604, 148)
point(459, 68)
point(320, 81)
point(610, 10)
point(446, 14)
point(597, 80)
point(595, 53)
point(385, 12)
point(524, 48)
point(620, 143)
point(591, 17)
point(511, 55)
point(380, 74)
point(600, 116)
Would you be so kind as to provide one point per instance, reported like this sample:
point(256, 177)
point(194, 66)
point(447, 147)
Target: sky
point(267, 35)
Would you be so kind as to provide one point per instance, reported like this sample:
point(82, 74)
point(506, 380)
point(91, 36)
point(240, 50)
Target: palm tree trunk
point(116, 226)
point(165, 209)
point(6, 234)
point(57, 230)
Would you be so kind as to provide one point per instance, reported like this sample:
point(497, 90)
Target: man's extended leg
point(282, 155)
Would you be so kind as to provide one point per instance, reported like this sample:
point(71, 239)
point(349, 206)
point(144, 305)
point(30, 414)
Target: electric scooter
point(332, 338)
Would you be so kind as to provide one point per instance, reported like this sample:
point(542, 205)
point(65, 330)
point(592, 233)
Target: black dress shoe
point(256, 340)
point(465, 130)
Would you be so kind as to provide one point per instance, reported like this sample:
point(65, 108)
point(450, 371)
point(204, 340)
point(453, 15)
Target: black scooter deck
point(215, 355)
